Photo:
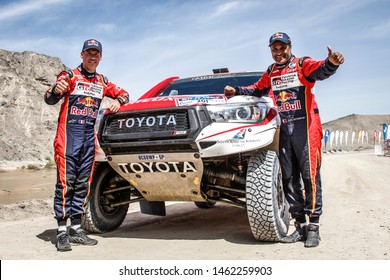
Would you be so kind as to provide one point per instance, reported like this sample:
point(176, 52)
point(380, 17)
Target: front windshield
point(209, 84)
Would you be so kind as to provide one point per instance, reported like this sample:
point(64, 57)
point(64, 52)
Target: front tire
point(267, 207)
point(101, 216)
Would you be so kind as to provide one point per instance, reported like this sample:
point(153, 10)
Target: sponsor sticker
point(285, 81)
point(151, 157)
point(200, 99)
point(89, 89)
point(177, 132)
point(240, 134)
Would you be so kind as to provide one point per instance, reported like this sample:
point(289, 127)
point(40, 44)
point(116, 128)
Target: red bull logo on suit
point(287, 101)
point(87, 102)
point(285, 96)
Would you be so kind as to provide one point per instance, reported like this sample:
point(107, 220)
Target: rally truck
point(184, 140)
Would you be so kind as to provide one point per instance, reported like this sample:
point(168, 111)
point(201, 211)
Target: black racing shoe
point(79, 236)
point(298, 235)
point(313, 236)
point(63, 244)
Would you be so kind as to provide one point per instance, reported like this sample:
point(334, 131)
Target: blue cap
point(281, 37)
point(92, 44)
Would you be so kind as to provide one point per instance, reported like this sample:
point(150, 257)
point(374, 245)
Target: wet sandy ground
point(22, 185)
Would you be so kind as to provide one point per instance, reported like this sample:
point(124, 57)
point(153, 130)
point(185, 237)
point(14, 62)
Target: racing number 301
point(242, 270)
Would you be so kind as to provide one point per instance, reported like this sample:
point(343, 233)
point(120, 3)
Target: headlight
point(244, 113)
point(238, 112)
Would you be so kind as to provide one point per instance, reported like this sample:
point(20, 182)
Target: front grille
point(148, 122)
point(155, 130)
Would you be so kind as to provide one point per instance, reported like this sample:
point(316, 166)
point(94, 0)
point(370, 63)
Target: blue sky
point(147, 41)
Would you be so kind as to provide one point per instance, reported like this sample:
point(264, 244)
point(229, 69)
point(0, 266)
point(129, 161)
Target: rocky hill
point(28, 124)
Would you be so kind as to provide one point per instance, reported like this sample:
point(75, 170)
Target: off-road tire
point(99, 216)
point(267, 207)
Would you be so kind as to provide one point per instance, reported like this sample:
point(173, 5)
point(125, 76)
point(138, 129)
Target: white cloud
point(16, 10)
point(224, 8)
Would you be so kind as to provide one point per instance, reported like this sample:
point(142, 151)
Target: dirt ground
point(355, 224)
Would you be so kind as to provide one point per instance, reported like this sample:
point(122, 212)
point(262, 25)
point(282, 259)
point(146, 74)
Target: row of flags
point(338, 138)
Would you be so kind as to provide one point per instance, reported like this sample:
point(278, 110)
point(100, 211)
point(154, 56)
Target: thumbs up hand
point(335, 58)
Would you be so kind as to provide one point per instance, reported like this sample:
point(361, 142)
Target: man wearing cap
point(290, 82)
point(82, 90)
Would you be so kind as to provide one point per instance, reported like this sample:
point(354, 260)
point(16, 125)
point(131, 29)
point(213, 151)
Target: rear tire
point(267, 207)
point(100, 215)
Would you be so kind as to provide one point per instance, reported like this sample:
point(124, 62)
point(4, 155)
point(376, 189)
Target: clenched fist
point(229, 91)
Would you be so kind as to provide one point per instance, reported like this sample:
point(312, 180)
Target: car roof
point(218, 76)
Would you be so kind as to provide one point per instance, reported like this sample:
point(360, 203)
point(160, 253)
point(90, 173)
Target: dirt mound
point(26, 209)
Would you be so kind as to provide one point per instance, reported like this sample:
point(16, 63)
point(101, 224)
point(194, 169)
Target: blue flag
point(327, 133)
point(384, 132)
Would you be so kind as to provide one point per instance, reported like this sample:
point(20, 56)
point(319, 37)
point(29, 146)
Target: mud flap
point(156, 208)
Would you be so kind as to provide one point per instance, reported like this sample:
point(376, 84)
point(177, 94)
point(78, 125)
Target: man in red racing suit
point(290, 82)
point(82, 91)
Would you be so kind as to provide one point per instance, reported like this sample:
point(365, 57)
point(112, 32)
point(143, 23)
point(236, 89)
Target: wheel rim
point(108, 199)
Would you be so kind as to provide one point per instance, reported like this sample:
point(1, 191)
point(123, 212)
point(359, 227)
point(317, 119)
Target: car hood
point(173, 101)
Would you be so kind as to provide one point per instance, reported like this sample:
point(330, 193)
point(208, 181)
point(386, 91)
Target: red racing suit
point(74, 144)
point(292, 87)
